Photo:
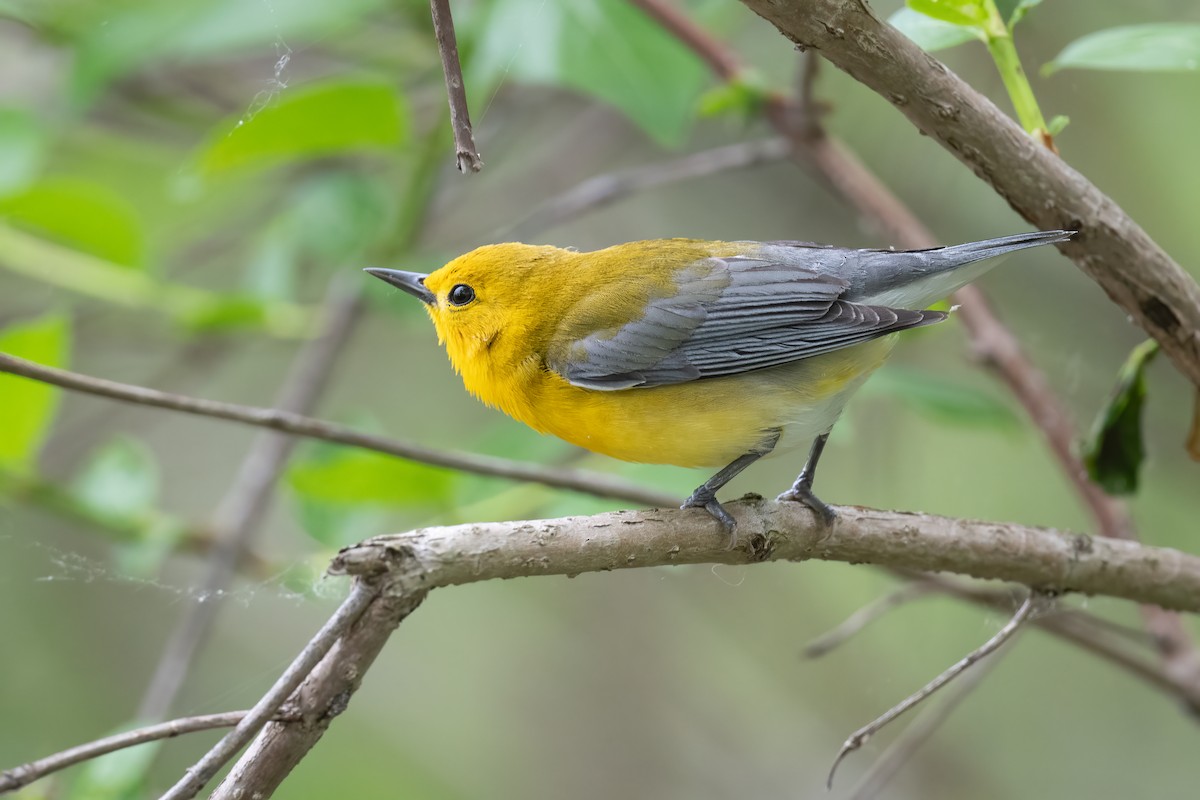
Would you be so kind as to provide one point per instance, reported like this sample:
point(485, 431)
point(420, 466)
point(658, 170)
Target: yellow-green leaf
point(85, 215)
point(327, 118)
point(359, 476)
point(27, 407)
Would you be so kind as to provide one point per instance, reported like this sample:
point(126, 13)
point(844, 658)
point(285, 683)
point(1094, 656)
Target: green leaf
point(216, 314)
point(1141, 48)
point(1019, 11)
point(944, 399)
point(1058, 124)
point(957, 12)
point(742, 98)
point(932, 34)
point(1114, 451)
point(87, 216)
point(604, 48)
point(340, 475)
point(320, 120)
point(22, 148)
point(119, 483)
point(27, 407)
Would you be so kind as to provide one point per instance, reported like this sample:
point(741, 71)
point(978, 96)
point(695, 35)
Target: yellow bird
point(688, 352)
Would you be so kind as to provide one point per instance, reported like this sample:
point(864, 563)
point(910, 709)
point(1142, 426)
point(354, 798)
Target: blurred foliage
point(179, 182)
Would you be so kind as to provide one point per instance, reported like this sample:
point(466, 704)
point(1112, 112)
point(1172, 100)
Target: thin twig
point(601, 190)
point(240, 512)
point(15, 778)
point(203, 771)
point(467, 157)
point(860, 736)
point(864, 616)
point(300, 425)
point(901, 750)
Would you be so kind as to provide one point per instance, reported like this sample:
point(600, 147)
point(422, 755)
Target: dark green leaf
point(605, 48)
point(1145, 48)
point(956, 12)
point(21, 150)
point(319, 120)
point(932, 34)
point(944, 399)
point(27, 407)
point(119, 483)
point(1114, 451)
point(87, 216)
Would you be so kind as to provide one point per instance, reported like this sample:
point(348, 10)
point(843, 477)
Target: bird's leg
point(801, 490)
point(705, 495)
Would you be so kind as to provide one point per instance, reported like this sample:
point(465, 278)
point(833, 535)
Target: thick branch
point(1041, 558)
point(1111, 248)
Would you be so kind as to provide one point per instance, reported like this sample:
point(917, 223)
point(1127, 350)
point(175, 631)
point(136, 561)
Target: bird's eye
point(460, 295)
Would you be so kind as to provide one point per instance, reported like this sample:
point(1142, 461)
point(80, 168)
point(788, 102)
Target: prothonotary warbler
point(688, 352)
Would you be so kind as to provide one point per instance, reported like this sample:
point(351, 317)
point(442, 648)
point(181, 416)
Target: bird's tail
point(915, 278)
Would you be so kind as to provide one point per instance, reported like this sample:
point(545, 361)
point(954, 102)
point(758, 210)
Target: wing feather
point(729, 316)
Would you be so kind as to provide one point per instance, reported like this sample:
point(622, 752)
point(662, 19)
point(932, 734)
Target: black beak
point(411, 282)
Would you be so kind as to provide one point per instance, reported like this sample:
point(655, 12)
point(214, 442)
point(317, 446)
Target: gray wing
point(729, 316)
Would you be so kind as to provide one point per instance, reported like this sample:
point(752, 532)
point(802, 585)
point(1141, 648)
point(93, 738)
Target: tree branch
point(1111, 248)
point(1040, 558)
point(845, 175)
point(362, 596)
point(324, 694)
point(300, 425)
point(15, 778)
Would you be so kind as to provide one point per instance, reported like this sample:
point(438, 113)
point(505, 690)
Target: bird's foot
point(801, 492)
point(706, 499)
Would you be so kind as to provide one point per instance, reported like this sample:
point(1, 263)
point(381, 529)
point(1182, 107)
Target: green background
point(179, 181)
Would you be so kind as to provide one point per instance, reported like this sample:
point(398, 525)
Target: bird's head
point(483, 299)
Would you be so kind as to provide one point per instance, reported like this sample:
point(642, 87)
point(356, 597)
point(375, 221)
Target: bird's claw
point(802, 493)
point(709, 503)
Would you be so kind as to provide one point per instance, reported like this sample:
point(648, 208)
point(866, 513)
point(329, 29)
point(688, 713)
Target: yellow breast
point(699, 423)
